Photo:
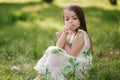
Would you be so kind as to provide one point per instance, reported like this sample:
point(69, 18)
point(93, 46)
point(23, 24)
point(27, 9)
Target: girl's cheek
point(66, 23)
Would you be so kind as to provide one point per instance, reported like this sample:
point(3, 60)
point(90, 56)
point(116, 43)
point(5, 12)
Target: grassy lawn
point(28, 28)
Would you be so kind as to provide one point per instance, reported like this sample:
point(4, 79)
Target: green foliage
point(12, 17)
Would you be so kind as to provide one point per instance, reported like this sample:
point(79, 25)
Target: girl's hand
point(66, 29)
point(58, 34)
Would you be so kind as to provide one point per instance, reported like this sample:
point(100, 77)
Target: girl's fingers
point(66, 29)
point(58, 34)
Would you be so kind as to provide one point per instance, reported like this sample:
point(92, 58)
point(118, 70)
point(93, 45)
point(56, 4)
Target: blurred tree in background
point(48, 1)
point(113, 2)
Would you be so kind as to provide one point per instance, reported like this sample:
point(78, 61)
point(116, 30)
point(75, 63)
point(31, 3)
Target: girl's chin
point(71, 31)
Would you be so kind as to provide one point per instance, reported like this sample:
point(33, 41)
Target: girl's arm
point(62, 40)
point(63, 37)
point(77, 45)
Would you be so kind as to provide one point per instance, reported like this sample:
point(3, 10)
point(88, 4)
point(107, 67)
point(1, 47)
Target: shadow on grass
point(102, 17)
point(10, 13)
point(19, 5)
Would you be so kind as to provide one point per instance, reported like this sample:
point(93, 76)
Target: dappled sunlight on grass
point(49, 22)
point(35, 8)
point(46, 24)
point(23, 24)
point(18, 1)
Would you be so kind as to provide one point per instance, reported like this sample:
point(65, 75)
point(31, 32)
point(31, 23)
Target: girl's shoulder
point(85, 34)
point(80, 33)
point(79, 36)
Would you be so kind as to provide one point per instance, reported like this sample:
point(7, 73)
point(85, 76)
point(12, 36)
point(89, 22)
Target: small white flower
point(17, 68)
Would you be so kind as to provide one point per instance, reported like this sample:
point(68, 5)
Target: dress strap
point(86, 38)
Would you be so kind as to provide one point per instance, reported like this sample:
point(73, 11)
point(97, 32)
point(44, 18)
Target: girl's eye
point(74, 18)
point(66, 19)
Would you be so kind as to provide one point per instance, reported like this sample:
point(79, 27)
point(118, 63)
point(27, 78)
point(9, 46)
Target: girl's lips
point(71, 26)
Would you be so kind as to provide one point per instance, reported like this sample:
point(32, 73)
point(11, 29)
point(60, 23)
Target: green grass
point(27, 29)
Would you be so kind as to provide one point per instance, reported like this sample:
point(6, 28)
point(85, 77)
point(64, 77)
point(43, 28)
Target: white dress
point(57, 64)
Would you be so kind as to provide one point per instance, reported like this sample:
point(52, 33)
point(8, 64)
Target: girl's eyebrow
point(66, 17)
point(74, 16)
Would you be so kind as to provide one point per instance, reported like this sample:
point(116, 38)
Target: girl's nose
point(70, 20)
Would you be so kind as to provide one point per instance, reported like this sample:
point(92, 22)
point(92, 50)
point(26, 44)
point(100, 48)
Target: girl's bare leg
point(38, 78)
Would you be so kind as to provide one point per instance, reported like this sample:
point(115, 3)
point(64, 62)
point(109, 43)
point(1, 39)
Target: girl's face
point(71, 20)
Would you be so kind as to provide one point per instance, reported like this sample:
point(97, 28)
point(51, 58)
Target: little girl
point(71, 58)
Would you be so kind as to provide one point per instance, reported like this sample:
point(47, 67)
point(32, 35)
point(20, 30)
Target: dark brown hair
point(80, 14)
